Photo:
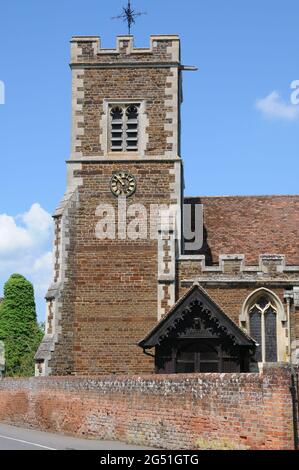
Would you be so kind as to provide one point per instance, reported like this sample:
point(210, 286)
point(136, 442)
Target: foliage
point(18, 326)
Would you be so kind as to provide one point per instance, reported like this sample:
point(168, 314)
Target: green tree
point(18, 326)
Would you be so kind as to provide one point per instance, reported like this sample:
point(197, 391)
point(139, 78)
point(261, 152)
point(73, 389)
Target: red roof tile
point(250, 225)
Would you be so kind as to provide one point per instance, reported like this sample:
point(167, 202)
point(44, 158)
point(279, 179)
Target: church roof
point(196, 295)
point(250, 225)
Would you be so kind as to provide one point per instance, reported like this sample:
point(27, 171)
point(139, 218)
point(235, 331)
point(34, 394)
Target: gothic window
point(262, 325)
point(255, 325)
point(270, 335)
point(124, 128)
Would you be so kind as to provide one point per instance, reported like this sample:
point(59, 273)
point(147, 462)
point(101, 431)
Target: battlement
point(234, 264)
point(164, 49)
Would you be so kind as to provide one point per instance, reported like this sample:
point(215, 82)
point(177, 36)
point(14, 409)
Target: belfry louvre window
point(124, 128)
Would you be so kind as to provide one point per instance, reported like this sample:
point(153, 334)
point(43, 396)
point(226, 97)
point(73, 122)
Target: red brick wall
point(240, 410)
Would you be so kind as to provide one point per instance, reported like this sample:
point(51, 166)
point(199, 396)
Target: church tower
point(114, 273)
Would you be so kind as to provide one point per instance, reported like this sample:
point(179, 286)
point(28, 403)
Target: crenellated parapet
point(233, 267)
point(88, 50)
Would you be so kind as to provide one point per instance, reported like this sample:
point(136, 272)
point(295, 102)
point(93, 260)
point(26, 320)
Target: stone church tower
point(106, 294)
point(128, 296)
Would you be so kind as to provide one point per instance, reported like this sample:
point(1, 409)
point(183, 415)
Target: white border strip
point(26, 442)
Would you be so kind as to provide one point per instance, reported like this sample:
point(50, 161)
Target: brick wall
point(240, 410)
point(101, 84)
point(109, 301)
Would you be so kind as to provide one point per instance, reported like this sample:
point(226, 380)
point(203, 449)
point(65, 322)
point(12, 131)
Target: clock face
point(123, 184)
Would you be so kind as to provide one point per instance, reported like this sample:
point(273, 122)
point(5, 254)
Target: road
point(13, 438)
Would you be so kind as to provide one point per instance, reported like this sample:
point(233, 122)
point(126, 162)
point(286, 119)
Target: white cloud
point(37, 219)
point(24, 231)
point(274, 107)
point(44, 262)
point(41, 273)
point(12, 237)
point(25, 248)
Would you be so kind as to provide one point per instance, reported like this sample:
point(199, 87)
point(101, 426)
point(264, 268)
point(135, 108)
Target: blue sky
point(239, 134)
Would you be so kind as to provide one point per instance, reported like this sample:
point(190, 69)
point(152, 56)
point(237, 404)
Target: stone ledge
point(124, 158)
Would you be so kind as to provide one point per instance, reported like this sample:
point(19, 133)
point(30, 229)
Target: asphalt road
point(13, 438)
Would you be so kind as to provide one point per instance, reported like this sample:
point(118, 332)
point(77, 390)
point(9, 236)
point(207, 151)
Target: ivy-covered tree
point(18, 326)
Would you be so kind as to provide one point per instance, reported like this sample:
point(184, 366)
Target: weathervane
point(128, 16)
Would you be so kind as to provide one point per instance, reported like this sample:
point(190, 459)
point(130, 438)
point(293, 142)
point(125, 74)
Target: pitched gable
point(196, 301)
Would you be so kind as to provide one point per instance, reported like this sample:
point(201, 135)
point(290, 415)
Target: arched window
point(124, 128)
point(262, 328)
point(264, 319)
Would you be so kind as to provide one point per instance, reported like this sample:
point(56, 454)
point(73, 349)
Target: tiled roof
point(250, 225)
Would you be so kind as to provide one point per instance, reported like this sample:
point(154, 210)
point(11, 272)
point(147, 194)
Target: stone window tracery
point(265, 318)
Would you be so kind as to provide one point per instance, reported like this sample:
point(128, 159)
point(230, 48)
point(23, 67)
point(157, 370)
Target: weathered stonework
point(248, 411)
point(151, 76)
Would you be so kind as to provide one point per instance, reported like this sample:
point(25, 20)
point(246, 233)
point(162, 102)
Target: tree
point(18, 326)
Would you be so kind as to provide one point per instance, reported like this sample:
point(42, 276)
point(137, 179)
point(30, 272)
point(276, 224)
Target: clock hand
point(120, 180)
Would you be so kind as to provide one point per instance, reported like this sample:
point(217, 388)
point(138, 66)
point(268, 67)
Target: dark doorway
point(197, 357)
point(186, 356)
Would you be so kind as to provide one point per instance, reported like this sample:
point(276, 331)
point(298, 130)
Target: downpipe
point(295, 405)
